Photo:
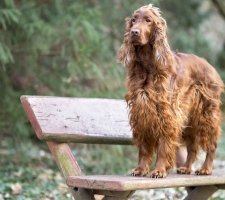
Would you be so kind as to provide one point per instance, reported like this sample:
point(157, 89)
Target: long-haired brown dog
point(172, 97)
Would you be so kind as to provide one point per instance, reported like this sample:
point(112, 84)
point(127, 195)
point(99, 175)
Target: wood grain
point(64, 158)
point(124, 183)
point(78, 120)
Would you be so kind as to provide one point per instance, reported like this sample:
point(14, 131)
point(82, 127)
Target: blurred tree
point(184, 26)
point(50, 47)
point(68, 48)
point(220, 5)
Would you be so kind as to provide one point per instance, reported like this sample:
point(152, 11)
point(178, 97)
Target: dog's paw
point(203, 171)
point(158, 173)
point(139, 171)
point(183, 170)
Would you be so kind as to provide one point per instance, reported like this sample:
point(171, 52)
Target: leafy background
point(69, 48)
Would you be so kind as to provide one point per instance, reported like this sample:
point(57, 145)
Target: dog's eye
point(148, 20)
point(133, 20)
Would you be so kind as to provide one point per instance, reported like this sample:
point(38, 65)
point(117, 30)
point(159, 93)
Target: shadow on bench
point(59, 120)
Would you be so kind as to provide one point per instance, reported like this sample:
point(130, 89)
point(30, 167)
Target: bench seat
point(126, 183)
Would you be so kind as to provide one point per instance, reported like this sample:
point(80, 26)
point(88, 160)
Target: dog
point(173, 98)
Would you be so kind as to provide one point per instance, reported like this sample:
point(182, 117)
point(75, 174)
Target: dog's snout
point(135, 32)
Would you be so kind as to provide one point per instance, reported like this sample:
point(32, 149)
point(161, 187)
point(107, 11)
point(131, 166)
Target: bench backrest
point(79, 120)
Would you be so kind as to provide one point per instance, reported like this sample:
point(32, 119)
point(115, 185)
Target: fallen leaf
point(45, 176)
point(58, 177)
point(63, 188)
point(7, 196)
point(16, 188)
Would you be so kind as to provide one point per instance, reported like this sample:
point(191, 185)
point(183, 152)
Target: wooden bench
point(58, 121)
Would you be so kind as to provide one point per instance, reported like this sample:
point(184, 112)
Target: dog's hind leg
point(192, 149)
point(206, 168)
point(209, 133)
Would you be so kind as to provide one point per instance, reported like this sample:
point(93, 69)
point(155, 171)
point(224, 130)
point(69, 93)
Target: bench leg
point(115, 198)
point(119, 195)
point(201, 192)
point(82, 194)
point(69, 167)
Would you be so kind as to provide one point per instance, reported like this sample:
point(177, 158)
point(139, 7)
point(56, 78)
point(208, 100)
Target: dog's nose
point(135, 32)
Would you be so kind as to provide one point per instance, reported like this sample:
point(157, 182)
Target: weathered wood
point(113, 193)
point(64, 159)
point(69, 167)
point(78, 120)
point(201, 192)
point(124, 183)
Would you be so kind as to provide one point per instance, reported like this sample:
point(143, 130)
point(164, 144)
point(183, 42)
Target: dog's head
point(146, 25)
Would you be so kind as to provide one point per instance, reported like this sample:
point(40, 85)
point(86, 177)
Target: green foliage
point(32, 183)
point(187, 16)
point(9, 16)
point(5, 54)
point(69, 48)
point(184, 26)
point(106, 159)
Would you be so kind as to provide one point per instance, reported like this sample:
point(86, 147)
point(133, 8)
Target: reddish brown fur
point(173, 97)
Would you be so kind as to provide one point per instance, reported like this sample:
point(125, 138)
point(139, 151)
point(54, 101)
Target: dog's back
point(198, 70)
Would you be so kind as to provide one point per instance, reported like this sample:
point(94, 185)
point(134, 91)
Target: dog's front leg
point(145, 158)
point(166, 156)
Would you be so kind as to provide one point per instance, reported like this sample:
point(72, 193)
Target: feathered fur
point(172, 97)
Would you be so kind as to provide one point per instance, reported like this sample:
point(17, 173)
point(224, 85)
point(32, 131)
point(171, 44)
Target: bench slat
point(126, 183)
point(78, 119)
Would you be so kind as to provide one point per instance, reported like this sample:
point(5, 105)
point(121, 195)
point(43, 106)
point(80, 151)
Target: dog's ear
point(161, 49)
point(126, 49)
point(128, 24)
point(159, 31)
